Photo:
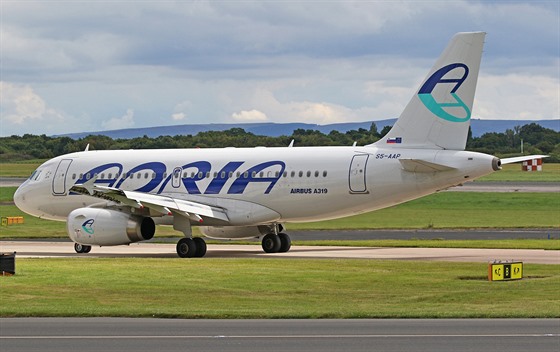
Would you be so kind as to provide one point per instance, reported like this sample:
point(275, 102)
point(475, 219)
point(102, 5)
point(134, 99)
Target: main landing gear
point(81, 248)
point(191, 247)
point(273, 243)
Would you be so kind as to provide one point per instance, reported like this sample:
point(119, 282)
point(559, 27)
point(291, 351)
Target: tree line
point(536, 140)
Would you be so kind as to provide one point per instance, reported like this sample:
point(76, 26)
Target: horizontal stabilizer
point(417, 165)
point(518, 159)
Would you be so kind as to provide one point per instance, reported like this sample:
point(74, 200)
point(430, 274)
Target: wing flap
point(161, 204)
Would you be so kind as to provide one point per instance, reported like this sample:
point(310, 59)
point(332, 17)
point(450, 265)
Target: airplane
point(117, 197)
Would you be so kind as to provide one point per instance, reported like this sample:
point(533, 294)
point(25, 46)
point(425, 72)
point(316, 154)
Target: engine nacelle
point(234, 232)
point(103, 227)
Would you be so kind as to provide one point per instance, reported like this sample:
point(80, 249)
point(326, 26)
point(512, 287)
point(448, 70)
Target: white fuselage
point(256, 185)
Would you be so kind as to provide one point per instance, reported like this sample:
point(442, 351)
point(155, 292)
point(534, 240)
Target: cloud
point(180, 111)
point(19, 104)
point(252, 115)
point(178, 116)
point(517, 96)
point(317, 62)
point(117, 123)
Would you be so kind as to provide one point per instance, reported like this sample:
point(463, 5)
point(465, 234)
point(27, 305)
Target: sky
point(74, 66)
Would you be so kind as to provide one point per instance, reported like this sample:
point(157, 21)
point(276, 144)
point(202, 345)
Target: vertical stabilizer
point(438, 115)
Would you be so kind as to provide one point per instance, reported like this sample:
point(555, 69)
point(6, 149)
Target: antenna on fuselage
point(87, 148)
point(291, 143)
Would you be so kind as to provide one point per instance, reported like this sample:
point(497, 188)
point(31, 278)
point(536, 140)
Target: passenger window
point(324, 173)
point(308, 173)
point(301, 174)
point(73, 176)
point(316, 173)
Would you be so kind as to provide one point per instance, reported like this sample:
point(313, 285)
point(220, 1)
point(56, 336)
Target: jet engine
point(104, 227)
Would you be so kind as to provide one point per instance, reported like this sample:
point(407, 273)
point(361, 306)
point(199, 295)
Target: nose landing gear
point(81, 248)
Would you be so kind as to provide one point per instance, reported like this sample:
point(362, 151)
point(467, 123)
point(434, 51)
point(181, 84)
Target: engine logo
point(87, 226)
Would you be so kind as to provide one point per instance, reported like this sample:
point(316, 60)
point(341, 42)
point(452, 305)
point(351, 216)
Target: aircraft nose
point(19, 198)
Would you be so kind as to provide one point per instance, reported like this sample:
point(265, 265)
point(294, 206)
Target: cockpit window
point(35, 175)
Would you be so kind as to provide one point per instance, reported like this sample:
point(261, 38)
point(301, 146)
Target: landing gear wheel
point(186, 248)
point(271, 243)
point(200, 247)
point(285, 243)
point(81, 248)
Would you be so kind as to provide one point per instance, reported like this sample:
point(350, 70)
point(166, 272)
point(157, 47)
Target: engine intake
point(103, 227)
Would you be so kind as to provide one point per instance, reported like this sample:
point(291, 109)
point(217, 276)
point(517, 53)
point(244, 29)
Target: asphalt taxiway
point(138, 335)
point(37, 249)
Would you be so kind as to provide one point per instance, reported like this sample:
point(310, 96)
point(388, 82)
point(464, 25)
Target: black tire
point(271, 243)
point(200, 247)
point(285, 243)
point(87, 249)
point(186, 248)
point(79, 248)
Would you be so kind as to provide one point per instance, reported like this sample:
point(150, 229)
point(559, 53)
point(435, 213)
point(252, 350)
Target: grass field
point(23, 169)
point(274, 288)
point(438, 211)
point(513, 173)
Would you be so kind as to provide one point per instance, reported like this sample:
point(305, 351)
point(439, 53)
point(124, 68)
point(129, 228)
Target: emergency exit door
point(357, 174)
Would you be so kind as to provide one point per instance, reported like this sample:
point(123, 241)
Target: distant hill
point(479, 127)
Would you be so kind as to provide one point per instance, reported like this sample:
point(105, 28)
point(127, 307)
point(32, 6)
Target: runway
point(37, 249)
point(137, 335)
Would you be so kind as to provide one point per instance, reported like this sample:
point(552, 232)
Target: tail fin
point(438, 116)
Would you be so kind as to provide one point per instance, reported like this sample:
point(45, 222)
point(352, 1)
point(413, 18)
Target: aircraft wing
point(521, 158)
point(163, 205)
